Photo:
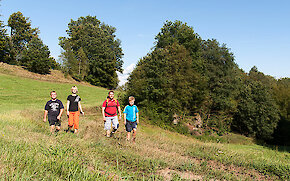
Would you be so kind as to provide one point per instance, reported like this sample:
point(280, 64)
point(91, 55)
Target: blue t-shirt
point(130, 112)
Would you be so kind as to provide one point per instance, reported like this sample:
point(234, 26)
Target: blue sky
point(256, 31)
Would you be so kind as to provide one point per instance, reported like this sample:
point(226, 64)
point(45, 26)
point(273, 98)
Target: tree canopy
point(92, 52)
point(4, 50)
point(24, 47)
point(21, 33)
point(36, 57)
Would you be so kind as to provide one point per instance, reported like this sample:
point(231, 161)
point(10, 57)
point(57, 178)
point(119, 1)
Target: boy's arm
point(45, 114)
point(125, 118)
point(103, 113)
point(67, 107)
point(137, 117)
point(120, 113)
point(80, 106)
point(60, 113)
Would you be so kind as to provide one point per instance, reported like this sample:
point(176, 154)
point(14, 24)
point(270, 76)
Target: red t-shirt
point(111, 109)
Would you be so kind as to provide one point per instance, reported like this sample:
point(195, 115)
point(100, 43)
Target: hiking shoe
point(112, 134)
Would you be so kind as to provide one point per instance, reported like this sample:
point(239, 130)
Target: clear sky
point(256, 31)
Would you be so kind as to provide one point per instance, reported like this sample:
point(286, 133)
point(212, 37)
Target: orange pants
point(73, 119)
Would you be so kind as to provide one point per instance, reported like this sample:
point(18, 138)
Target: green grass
point(22, 93)
point(29, 152)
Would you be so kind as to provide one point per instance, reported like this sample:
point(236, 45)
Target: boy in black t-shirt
point(53, 109)
point(74, 109)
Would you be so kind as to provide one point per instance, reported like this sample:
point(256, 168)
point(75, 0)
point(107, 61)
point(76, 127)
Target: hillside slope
point(54, 76)
point(27, 151)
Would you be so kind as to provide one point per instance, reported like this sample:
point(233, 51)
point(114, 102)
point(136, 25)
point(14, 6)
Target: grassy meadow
point(29, 152)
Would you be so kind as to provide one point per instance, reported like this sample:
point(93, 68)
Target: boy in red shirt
point(110, 116)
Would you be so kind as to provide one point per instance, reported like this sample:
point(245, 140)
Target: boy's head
point(74, 89)
point(131, 100)
point(111, 94)
point(53, 94)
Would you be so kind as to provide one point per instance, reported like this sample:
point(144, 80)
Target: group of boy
point(110, 110)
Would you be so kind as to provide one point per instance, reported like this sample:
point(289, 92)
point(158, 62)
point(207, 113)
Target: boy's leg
point(134, 134)
point(51, 124)
point(134, 127)
point(115, 123)
point(57, 128)
point(76, 121)
point(108, 133)
point(107, 126)
point(128, 136)
point(128, 129)
point(70, 120)
point(57, 125)
point(52, 129)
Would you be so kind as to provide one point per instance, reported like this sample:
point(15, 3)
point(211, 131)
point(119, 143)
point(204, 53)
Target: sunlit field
point(29, 152)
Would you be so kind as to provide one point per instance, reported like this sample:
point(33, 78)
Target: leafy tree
point(282, 98)
point(82, 61)
point(267, 80)
point(165, 80)
point(223, 79)
point(91, 51)
point(257, 113)
point(181, 33)
point(21, 34)
point(280, 91)
point(3, 44)
point(74, 64)
point(36, 57)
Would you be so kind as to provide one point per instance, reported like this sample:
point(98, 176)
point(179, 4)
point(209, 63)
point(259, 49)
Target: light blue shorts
point(111, 120)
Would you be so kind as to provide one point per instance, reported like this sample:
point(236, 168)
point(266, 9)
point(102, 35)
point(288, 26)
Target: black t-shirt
point(53, 107)
point(73, 103)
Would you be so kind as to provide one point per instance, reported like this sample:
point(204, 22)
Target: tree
point(165, 80)
point(21, 34)
point(181, 33)
point(267, 80)
point(92, 51)
point(222, 75)
point(281, 94)
point(82, 61)
point(3, 44)
point(257, 113)
point(36, 57)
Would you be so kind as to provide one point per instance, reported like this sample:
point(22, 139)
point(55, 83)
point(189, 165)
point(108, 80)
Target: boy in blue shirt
point(131, 118)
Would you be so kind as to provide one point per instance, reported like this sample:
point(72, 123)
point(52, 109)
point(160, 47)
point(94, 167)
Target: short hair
point(52, 92)
point(110, 92)
point(74, 87)
point(131, 98)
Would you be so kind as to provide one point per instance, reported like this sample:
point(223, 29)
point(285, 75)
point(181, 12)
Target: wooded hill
point(186, 76)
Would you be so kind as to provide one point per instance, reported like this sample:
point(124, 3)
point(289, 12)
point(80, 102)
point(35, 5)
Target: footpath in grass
point(27, 151)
